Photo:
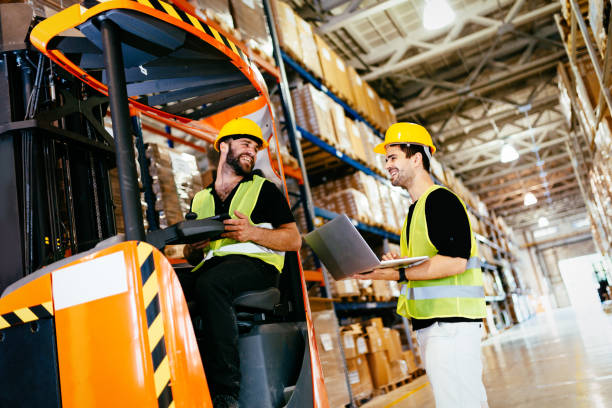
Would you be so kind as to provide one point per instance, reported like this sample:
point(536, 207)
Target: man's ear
point(224, 146)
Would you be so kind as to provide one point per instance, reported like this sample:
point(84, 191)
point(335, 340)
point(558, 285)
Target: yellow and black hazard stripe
point(187, 18)
point(26, 314)
point(155, 326)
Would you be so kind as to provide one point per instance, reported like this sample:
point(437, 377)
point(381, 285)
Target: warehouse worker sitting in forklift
point(249, 255)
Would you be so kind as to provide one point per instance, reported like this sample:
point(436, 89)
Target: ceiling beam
point(469, 40)
point(498, 198)
point(519, 207)
point(516, 73)
point(477, 180)
point(498, 142)
point(495, 187)
point(460, 133)
point(348, 18)
point(541, 196)
point(554, 218)
point(488, 162)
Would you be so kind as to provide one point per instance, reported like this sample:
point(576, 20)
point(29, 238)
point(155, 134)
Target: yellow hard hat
point(405, 132)
point(240, 127)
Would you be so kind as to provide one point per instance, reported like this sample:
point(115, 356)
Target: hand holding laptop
point(390, 264)
point(345, 253)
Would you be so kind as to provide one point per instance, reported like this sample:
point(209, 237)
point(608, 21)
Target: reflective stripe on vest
point(460, 295)
point(438, 292)
point(244, 201)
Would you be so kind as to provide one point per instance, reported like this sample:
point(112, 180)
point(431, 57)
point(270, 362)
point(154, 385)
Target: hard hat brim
point(381, 148)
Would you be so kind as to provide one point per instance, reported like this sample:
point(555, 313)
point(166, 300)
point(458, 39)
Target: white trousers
point(452, 358)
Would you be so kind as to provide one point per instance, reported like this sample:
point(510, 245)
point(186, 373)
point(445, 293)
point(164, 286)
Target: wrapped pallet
point(218, 11)
point(312, 112)
point(343, 85)
point(176, 180)
point(351, 202)
point(356, 145)
point(326, 330)
point(286, 22)
point(339, 120)
point(358, 91)
point(310, 54)
point(250, 20)
point(359, 377)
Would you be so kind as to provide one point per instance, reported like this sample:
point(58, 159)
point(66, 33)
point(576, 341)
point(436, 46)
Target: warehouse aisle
point(561, 359)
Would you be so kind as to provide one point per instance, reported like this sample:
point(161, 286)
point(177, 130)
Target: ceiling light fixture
point(543, 222)
point(508, 153)
point(530, 199)
point(437, 14)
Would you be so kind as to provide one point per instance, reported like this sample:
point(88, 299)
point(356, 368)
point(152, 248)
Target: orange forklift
point(101, 320)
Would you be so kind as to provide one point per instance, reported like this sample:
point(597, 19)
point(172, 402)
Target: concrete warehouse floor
point(557, 359)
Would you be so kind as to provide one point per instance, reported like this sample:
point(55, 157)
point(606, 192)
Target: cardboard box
point(220, 11)
point(312, 112)
point(310, 54)
point(376, 322)
point(347, 287)
point(359, 377)
point(339, 120)
point(343, 84)
point(394, 350)
point(250, 21)
point(350, 347)
point(409, 358)
point(356, 144)
point(286, 23)
point(399, 370)
point(327, 56)
point(374, 340)
point(326, 333)
point(359, 102)
point(380, 370)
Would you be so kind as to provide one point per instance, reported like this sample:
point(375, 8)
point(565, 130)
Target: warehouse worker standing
point(444, 296)
point(249, 256)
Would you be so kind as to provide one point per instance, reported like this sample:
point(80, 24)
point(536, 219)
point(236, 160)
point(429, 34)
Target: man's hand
point(379, 274)
point(240, 229)
point(390, 256)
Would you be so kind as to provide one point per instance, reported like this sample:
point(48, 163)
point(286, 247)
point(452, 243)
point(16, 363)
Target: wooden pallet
point(360, 400)
point(385, 389)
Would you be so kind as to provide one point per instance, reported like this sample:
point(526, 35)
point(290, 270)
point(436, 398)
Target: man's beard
point(235, 164)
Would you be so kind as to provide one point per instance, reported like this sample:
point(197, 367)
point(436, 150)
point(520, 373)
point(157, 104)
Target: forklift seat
point(264, 300)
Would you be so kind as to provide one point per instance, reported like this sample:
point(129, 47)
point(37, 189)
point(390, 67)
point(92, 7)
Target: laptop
point(344, 252)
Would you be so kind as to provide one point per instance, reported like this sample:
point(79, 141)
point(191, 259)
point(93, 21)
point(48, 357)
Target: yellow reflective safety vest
point(460, 295)
point(244, 201)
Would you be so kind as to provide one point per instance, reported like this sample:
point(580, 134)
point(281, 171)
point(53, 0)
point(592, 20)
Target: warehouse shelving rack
point(495, 238)
point(581, 34)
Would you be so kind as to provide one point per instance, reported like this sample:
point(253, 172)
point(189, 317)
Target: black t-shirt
point(271, 204)
point(449, 230)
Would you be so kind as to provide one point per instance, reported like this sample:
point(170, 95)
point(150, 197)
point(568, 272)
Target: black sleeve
point(447, 224)
point(272, 207)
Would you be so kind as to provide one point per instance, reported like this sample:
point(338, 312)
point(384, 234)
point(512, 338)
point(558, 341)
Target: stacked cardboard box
point(249, 19)
point(332, 364)
point(287, 30)
point(176, 180)
point(310, 55)
point(364, 198)
point(313, 113)
point(297, 38)
point(355, 350)
point(218, 11)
